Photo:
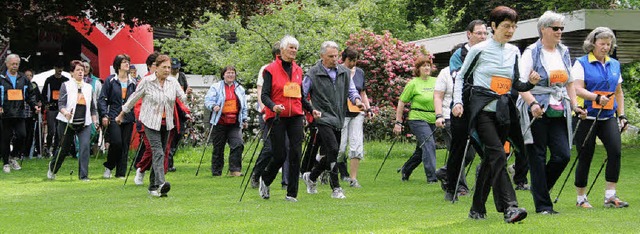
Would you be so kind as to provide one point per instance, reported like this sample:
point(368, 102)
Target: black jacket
point(110, 101)
point(15, 108)
point(327, 97)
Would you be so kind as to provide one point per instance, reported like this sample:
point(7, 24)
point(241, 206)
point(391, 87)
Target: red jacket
point(292, 106)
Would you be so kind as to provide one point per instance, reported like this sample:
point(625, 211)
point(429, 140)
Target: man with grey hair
point(329, 86)
point(15, 91)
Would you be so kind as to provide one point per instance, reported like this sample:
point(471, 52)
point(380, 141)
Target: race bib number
point(609, 105)
point(292, 90)
point(507, 147)
point(14, 95)
point(352, 108)
point(500, 85)
point(230, 106)
point(124, 92)
point(55, 95)
point(81, 100)
point(558, 76)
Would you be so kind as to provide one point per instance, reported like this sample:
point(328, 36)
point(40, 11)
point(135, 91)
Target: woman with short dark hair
point(115, 92)
point(493, 115)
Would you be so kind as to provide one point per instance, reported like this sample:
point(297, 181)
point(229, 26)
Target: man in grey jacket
point(328, 85)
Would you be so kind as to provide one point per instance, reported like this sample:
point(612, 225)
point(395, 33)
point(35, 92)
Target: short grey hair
point(328, 44)
point(547, 19)
point(288, 40)
point(598, 33)
point(11, 56)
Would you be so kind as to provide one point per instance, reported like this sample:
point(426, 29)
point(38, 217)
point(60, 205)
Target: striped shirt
point(156, 101)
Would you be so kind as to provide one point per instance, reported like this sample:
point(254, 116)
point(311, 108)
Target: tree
point(205, 50)
point(18, 13)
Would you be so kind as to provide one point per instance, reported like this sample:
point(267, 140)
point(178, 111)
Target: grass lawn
point(32, 204)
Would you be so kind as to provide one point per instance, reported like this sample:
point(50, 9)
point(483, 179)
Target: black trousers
point(33, 136)
point(119, 140)
point(521, 168)
point(608, 132)
point(266, 154)
point(459, 136)
point(493, 171)
point(12, 127)
point(330, 140)
point(223, 134)
point(548, 133)
point(291, 127)
point(52, 136)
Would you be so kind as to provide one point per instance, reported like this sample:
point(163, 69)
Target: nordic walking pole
point(597, 175)
point(55, 164)
point(578, 156)
point(395, 139)
point(253, 141)
point(254, 153)
point(140, 143)
point(455, 192)
point(446, 156)
point(40, 131)
point(205, 148)
point(275, 120)
point(529, 127)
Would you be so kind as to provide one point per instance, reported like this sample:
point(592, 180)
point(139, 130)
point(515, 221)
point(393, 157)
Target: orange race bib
point(230, 106)
point(55, 95)
point(14, 95)
point(558, 76)
point(352, 108)
point(500, 85)
point(124, 92)
point(507, 147)
point(292, 90)
point(609, 105)
point(81, 100)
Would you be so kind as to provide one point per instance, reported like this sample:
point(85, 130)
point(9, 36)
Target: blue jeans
point(425, 153)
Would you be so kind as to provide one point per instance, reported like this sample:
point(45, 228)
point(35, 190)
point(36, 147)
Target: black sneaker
point(515, 214)
point(522, 186)
point(477, 215)
point(548, 212)
point(171, 169)
point(441, 175)
point(254, 182)
point(450, 197)
point(164, 188)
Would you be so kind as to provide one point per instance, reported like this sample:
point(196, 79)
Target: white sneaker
point(6, 168)
point(50, 175)
point(14, 164)
point(154, 193)
point(338, 193)
point(263, 189)
point(107, 173)
point(290, 199)
point(139, 179)
point(311, 186)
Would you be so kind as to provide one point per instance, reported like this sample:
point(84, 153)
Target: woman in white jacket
point(77, 113)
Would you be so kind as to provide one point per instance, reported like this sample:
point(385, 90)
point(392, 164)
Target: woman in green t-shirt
point(421, 120)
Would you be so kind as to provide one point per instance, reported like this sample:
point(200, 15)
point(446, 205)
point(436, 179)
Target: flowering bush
point(387, 63)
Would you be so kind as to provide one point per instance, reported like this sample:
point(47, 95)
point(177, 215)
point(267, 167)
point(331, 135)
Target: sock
point(609, 193)
point(581, 198)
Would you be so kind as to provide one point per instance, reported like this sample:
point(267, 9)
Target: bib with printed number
point(609, 105)
point(124, 92)
point(81, 100)
point(352, 108)
point(558, 76)
point(500, 85)
point(55, 95)
point(230, 106)
point(292, 90)
point(15, 95)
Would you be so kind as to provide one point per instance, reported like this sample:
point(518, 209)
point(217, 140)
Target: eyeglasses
point(507, 26)
point(481, 33)
point(557, 28)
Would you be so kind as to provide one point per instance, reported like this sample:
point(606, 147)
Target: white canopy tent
point(40, 78)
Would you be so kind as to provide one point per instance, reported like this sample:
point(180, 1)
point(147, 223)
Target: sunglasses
point(557, 28)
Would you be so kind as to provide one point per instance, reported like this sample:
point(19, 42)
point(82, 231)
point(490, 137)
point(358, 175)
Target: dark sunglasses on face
point(557, 28)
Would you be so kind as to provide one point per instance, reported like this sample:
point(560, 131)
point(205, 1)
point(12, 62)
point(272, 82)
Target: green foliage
point(631, 76)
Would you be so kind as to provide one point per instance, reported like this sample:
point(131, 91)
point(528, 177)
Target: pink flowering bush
point(387, 63)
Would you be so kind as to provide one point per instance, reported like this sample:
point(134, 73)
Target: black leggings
point(608, 132)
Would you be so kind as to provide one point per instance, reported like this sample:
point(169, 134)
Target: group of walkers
point(490, 100)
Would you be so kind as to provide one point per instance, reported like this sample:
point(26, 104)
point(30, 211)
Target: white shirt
point(444, 83)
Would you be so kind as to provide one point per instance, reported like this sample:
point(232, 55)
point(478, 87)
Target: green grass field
point(29, 203)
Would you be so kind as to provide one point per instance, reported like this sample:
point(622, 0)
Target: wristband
point(622, 117)
point(399, 123)
point(598, 99)
point(439, 116)
point(534, 103)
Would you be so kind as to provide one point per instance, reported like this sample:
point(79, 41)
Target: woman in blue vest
point(598, 81)
point(228, 102)
point(550, 102)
